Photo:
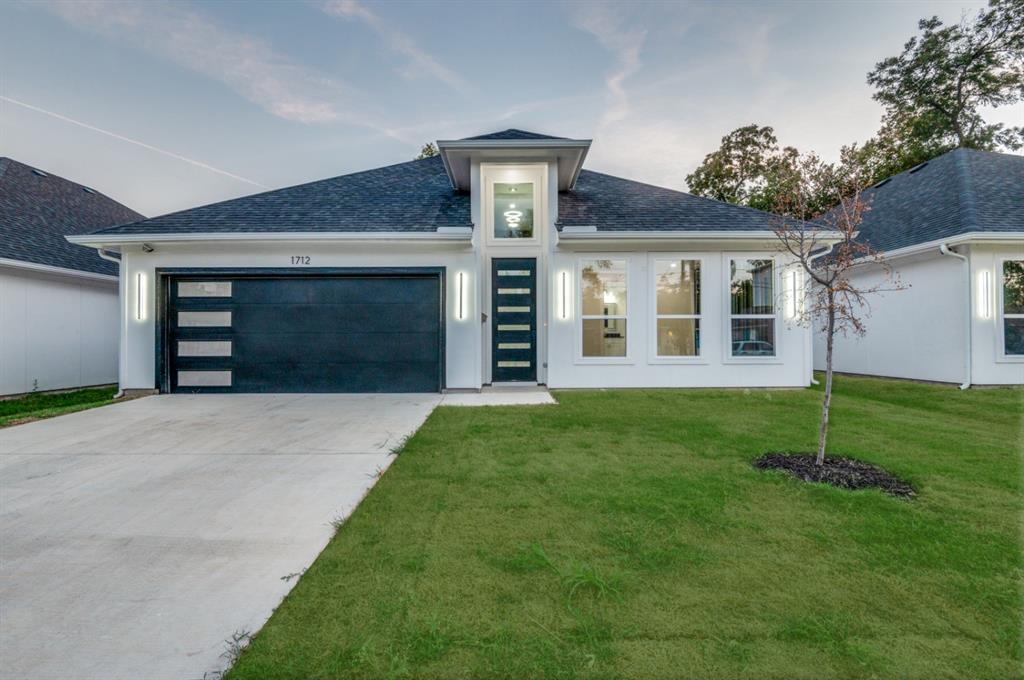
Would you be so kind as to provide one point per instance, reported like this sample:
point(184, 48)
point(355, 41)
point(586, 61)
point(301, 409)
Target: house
point(952, 229)
point(499, 261)
point(59, 314)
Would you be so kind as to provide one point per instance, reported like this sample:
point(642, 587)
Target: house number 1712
point(300, 259)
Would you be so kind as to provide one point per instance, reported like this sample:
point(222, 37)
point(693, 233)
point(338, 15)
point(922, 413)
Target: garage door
point(342, 333)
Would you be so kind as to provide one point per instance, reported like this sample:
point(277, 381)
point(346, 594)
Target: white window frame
point(728, 316)
point(535, 174)
point(628, 317)
point(1001, 314)
point(653, 356)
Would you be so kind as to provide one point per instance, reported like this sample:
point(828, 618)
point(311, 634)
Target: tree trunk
point(830, 333)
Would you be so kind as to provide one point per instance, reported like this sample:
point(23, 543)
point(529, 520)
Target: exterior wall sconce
point(140, 297)
point(792, 304)
point(985, 294)
point(563, 302)
point(460, 309)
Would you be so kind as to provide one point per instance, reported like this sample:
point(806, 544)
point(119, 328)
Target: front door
point(514, 320)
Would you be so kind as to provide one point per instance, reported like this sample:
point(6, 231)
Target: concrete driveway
point(136, 538)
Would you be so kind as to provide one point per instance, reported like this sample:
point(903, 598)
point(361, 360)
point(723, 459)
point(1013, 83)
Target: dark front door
point(303, 333)
point(514, 320)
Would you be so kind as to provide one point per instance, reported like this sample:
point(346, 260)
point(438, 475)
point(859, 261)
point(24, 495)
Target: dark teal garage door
point(339, 333)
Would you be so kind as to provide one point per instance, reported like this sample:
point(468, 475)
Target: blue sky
point(168, 106)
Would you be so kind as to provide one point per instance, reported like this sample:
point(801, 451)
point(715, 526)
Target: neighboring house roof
point(959, 192)
point(417, 196)
point(38, 209)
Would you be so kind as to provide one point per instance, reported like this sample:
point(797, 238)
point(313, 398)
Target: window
point(603, 306)
point(752, 307)
point(677, 307)
point(513, 210)
point(1013, 307)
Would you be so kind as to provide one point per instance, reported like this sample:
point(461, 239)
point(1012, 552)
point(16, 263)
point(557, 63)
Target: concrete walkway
point(136, 538)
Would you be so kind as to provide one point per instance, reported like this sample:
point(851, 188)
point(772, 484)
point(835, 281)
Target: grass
point(49, 404)
point(625, 534)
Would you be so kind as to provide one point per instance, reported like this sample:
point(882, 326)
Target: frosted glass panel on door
point(204, 319)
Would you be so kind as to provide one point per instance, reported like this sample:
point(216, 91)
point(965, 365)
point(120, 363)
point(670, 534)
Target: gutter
point(945, 250)
point(991, 237)
point(110, 258)
point(61, 271)
point(587, 234)
point(441, 235)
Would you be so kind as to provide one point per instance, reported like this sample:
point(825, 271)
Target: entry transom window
point(677, 307)
point(752, 307)
point(603, 305)
point(513, 209)
point(1013, 307)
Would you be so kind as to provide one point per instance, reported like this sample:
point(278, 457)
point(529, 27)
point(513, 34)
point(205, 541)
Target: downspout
point(811, 261)
point(946, 250)
point(120, 283)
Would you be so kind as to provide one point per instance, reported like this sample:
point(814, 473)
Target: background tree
point(428, 151)
point(749, 168)
point(934, 90)
point(826, 250)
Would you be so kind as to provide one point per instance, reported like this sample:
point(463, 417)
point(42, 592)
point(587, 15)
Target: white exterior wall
point(56, 331)
point(462, 337)
point(990, 365)
point(791, 367)
point(920, 332)
point(917, 332)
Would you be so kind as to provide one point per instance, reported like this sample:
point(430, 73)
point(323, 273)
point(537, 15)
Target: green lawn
point(624, 534)
point(45, 405)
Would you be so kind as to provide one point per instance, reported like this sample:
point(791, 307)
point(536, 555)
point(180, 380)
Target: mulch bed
point(845, 473)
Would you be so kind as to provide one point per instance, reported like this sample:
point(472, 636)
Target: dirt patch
point(844, 473)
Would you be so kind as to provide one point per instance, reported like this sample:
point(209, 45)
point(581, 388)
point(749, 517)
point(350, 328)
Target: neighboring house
point(953, 231)
point(499, 261)
point(59, 315)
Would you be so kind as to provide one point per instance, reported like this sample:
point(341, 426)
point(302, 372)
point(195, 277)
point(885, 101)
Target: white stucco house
point(952, 229)
point(59, 313)
point(502, 260)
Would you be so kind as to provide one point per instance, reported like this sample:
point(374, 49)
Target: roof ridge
point(966, 198)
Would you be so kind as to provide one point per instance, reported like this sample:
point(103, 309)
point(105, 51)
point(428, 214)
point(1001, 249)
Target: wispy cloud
point(246, 64)
point(606, 23)
point(420, 61)
point(129, 140)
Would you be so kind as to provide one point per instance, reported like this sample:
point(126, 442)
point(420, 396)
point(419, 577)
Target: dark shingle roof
point(412, 196)
point(615, 204)
point(512, 133)
point(38, 209)
point(417, 196)
point(961, 191)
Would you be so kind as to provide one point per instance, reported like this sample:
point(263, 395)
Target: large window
point(752, 307)
point(677, 307)
point(1013, 307)
point(603, 306)
point(513, 210)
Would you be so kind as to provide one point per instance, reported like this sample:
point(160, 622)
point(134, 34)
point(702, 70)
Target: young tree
point(826, 250)
point(428, 151)
point(934, 90)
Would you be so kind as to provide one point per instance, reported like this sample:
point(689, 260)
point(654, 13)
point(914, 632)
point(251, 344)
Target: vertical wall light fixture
point(565, 295)
point(140, 296)
point(792, 308)
point(461, 307)
point(985, 294)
